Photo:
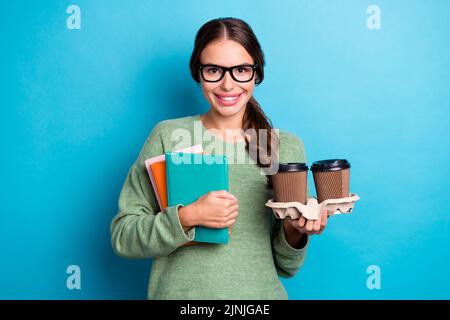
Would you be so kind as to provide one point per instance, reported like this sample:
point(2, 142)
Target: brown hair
point(254, 117)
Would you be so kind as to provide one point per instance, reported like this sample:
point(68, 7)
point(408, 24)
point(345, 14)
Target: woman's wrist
point(294, 237)
point(186, 216)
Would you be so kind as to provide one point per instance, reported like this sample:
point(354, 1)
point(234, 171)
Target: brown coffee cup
point(331, 179)
point(290, 182)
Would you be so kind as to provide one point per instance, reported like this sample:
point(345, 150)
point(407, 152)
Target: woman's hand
point(306, 226)
point(215, 209)
point(296, 231)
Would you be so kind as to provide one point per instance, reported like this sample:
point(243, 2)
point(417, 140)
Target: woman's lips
point(228, 100)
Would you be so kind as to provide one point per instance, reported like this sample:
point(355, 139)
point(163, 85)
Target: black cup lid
point(292, 166)
point(330, 165)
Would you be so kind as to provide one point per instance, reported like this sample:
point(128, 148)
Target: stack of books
point(182, 176)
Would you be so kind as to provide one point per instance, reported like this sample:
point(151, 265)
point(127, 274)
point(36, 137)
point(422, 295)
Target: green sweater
point(245, 268)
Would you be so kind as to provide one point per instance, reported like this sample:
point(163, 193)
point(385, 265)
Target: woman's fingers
point(309, 225)
point(301, 221)
point(316, 225)
point(233, 209)
point(231, 222)
point(233, 215)
point(313, 226)
point(324, 219)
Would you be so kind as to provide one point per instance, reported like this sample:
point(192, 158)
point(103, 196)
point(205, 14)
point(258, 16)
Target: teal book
point(191, 175)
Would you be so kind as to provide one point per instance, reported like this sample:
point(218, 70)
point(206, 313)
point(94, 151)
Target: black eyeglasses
point(215, 73)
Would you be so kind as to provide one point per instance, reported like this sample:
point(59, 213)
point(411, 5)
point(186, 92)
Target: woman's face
point(227, 53)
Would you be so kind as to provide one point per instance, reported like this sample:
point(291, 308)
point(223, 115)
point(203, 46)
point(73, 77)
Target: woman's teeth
point(228, 100)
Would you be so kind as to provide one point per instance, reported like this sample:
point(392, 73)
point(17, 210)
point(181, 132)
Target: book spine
point(225, 160)
point(168, 165)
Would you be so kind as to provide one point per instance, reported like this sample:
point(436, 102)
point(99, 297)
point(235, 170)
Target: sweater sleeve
point(140, 229)
point(288, 259)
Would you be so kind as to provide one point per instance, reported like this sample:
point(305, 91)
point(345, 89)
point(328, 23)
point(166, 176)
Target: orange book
point(158, 170)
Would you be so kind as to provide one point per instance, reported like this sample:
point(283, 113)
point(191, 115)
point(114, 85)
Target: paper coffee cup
point(289, 183)
point(331, 178)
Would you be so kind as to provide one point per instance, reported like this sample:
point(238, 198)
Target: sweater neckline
point(197, 118)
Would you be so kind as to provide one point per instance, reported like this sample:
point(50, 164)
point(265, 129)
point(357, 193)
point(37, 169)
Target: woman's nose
point(227, 82)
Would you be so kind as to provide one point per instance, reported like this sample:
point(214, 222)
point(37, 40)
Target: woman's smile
point(228, 99)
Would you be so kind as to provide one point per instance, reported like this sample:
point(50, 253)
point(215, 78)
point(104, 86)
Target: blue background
point(77, 105)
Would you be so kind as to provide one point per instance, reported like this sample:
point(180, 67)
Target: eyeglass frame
point(229, 69)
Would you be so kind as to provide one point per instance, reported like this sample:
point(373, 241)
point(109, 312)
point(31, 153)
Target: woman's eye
point(243, 69)
point(212, 70)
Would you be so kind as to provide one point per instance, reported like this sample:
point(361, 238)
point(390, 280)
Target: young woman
point(227, 62)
